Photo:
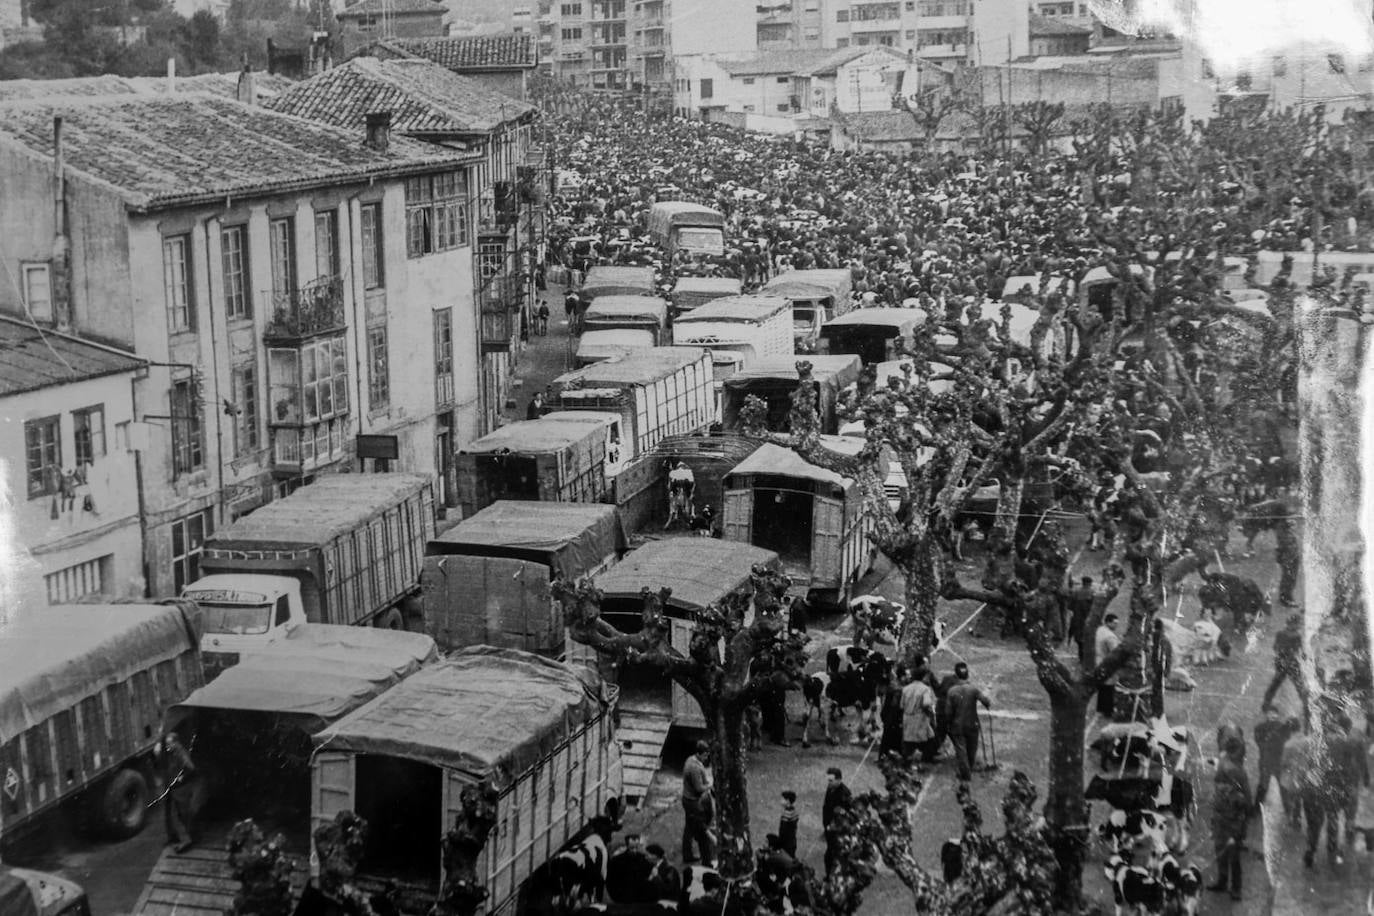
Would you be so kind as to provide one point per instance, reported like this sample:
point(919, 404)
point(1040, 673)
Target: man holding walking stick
point(964, 729)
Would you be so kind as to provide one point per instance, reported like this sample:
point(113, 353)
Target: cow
point(1121, 740)
point(1170, 794)
point(1237, 594)
point(1133, 887)
point(852, 679)
point(1182, 883)
point(1122, 830)
point(578, 871)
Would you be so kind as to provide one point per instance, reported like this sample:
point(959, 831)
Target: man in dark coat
point(1230, 811)
point(837, 798)
point(1270, 737)
point(1288, 652)
point(178, 774)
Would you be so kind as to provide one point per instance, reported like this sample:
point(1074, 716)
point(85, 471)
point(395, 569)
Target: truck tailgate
point(198, 883)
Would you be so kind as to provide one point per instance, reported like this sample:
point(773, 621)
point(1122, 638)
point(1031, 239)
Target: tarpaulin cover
point(15, 897)
point(318, 672)
point(700, 571)
point(488, 713)
point(783, 462)
point(625, 281)
point(837, 370)
point(54, 657)
point(881, 317)
point(314, 515)
point(736, 308)
point(570, 538)
point(533, 437)
point(637, 367)
point(809, 284)
point(706, 285)
point(604, 344)
point(605, 308)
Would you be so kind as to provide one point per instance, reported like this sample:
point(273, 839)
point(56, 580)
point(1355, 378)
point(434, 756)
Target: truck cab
point(240, 613)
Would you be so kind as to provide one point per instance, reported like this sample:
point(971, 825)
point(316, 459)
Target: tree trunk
point(921, 568)
point(736, 854)
point(1066, 812)
point(1009, 498)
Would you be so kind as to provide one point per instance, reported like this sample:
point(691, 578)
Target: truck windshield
point(236, 619)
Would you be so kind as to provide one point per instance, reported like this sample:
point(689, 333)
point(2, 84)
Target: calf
point(1182, 883)
point(1133, 888)
point(848, 687)
point(1123, 829)
point(578, 871)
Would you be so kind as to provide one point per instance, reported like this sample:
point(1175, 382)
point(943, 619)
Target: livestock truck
point(679, 225)
point(83, 689)
point(773, 380)
point(690, 292)
point(547, 459)
point(346, 549)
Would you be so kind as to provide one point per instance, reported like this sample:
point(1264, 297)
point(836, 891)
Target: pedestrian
point(775, 867)
point(1230, 811)
point(1324, 796)
point(535, 410)
point(1298, 773)
point(1105, 642)
point(1288, 554)
point(570, 305)
point(918, 714)
point(1349, 771)
point(664, 881)
point(837, 798)
point(1288, 653)
point(1271, 735)
point(543, 324)
point(787, 823)
point(964, 729)
point(890, 714)
point(628, 870)
point(697, 807)
point(1161, 663)
point(1080, 603)
point(178, 774)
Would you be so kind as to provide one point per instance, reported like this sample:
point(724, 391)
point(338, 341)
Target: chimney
point(379, 130)
point(247, 91)
point(61, 245)
point(171, 74)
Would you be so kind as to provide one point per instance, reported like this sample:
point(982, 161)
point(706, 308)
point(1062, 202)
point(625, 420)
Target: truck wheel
point(390, 619)
point(124, 804)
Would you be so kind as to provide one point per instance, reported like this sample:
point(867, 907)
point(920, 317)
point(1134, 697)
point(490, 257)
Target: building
point(368, 20)
point(70, 470)
point(1051, 36)
point(302, 293)
point(431, 103)
point(895, 130)
point(504, 63)
point(264, 86)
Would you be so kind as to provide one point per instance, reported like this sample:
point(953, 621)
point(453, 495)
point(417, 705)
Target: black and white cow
point(1134, 888)
point(1182, 883)
point(578, 871)
point(852, 679)
point(1170, 794)
point(1123, 829)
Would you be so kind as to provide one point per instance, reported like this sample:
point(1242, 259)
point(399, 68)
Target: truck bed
point(198, 883)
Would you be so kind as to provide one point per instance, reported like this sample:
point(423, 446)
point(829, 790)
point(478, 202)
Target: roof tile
point(31, 359)
point(481, 52)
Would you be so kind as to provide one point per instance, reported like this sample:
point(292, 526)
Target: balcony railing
point(315, 308)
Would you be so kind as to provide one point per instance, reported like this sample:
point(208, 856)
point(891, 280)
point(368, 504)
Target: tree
point(1038, 119)
point(263, 871)
point(462, 893)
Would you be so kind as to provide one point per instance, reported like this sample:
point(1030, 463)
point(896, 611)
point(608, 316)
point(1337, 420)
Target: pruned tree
point(462, 893)
point(1038, 119)
point(263, 870)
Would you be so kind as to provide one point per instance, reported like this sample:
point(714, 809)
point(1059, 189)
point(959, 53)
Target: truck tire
point(390, 619)
point(123, 808)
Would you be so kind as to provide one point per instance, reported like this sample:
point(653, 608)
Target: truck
point(752, 326)
point(539, 732)
point(874, 335)
point(250, 730)
point(545, 459)
point(775, 379)
point(816, 296)
point(594, 346)
point(680, 225)
point(618, 281)
point(813, 518)
point(24, 892)
point(701, 572)
point(636, 313)
point(83, 689)
point(690, 292)
point(493, 570)
point(344, 550)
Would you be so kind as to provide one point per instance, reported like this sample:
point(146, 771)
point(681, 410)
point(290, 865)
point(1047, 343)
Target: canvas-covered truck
point(753, 326)
point(813, 518)
point(548, 460)
point(83, 689)
point(634, 313)
point(491, 572)
point(690, 292)
point(540, 732)
point(604, 280)
point(346, 549)
point(594, 346)
point(680, 225)
point(816, 296)
point(874, 335)
point(773, 380)
point(701, 572)
point(250, 729)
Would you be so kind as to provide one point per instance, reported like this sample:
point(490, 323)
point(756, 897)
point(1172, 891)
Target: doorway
point(782, 518)
point(402, 801)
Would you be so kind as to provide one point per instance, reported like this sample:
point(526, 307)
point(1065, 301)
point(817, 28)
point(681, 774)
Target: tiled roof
point(392, 8)
point(423, 98)
point(30, 360)
point(780, 63)
point(894, 125)
point(162, 151)
point(225, 84)
point(1049, 27)
point(839, 58)
point(481, 52)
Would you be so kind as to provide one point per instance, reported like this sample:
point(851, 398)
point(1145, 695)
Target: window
point(841, 15)
point(1207, 72)
point(38, 290)
point(379, 370)
point(910, 33)
point(574, 34)
point(707, 88)
point(784, 80)
point(748, 81)
point(367, 23)
point(571, 9)
point(327, 243)
point(176, 281)
point(911, 5)
point(443, 356)
point(324, 372)
point(372, 246)
point(245, 383)
point(89, 578)
point(749, 108)
point(43, 455)
point(188, 544)
point(841, 42)
point(436, 213)
point(188, 440)
point(88, 428)
point(784, 107)
point(491, 259)
point(282, 241)
point(233, 243)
